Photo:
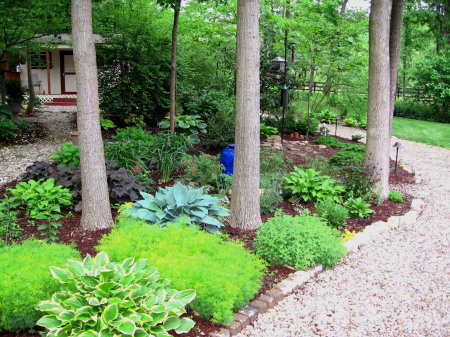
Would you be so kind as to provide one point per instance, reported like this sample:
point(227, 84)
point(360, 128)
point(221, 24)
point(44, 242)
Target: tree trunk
point(32, 99)
point(95, 196)
point(245, 200)
point(173, 65)
point(377, 151)
point(395, 43)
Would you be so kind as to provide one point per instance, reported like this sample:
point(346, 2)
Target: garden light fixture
point(397, 146)
point(336, 119)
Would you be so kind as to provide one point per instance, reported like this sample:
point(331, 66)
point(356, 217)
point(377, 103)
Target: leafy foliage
point(358, 208)
point(202, 170)
point(357, 137)
point(328, 141)
point(67, 155)
point(5, 112)
point(9, 229)
point(356, 180)
point(272, 195)
point(347, 157)
point(133, 133)
point(191, 125)
point(7, 130)
point(224, 274)
point(267, 131)
point(310, 185)
point(300, 241)
point(325, 116)
point(350, 121)
point(172, 203)
point(395, 196)
point(332, 212)
point(99, 297)
point(25, 280)
point(273, 161)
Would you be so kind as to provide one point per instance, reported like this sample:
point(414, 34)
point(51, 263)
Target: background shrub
point(395, 196)
point(300, 241)
point(67, 155)
point(26, 280)
point(7, 130)
point(224, 275)
point(347, 157)
point(332, 212)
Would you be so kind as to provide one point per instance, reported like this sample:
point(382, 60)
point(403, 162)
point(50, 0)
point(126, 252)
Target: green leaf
point(185, 296)
point(171, 322)
point(110, 313)
point(101, 259)
point(49, 322)
point(127, 327)
point(60, 274)
point(76, 267)
point(185, 326)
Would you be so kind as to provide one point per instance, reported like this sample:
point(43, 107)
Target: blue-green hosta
point(172, 203)
point(99, 298)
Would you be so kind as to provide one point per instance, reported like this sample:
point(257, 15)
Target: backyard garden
point(170, 200)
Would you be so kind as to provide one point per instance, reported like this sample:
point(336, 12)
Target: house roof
point(65, 40)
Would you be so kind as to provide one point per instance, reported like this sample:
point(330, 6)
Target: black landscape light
point(397, 146)
point(336, 119)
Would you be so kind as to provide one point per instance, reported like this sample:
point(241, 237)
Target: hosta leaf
point(158, 317)
point(139, 265)
point(73, 302)
point(90, 333)
point(60, 274)
point(185, 325)
point(171, 322)
point(127, 327)
point(110, 313)
point(150, 301)
point(101, 259)
point(185, 296)
point(89, 281)
point(180, 194)
point(49, 322)
point(66, 316)
point(105, 333)
point(76, 267)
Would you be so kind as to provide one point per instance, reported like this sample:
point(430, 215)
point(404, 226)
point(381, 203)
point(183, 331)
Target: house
point(53, 71)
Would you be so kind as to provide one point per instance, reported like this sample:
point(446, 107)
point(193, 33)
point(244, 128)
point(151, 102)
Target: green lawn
point(423, 132)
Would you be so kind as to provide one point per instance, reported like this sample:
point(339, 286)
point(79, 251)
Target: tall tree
point(173, 63)
point(378, 140)
point(95, 196)
point(245, 199)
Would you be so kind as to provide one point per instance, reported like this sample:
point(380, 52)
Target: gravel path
point(398, 285)
point(15, 159)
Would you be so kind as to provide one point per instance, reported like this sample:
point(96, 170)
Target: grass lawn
point(423, 132)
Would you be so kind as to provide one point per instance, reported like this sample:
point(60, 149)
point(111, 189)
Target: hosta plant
point(191, 125)
point(310, 185)
point(358, 208)
point(395, 196)
point(67, 155)
point(103, 298)
point(172, 203)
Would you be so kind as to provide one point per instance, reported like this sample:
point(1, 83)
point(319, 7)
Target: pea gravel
point(398, 285)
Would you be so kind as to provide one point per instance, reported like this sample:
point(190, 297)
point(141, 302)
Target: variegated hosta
point(99, 298)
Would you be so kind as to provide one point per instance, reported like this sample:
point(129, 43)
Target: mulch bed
point(72, 233)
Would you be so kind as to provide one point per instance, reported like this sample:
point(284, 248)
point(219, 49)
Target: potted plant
point(15, 92)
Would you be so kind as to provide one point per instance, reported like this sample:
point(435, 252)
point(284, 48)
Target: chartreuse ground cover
point(223, 273)
point(432, 133)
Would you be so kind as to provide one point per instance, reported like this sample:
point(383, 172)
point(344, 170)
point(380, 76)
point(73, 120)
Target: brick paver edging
point(286, 287)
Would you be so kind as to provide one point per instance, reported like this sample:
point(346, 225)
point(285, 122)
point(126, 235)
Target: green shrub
point(395, 196)
point(221, 127)
point(347, 157)
point(328, 141)
point(172, 203)
point(9, 228)
point(26, 280)
point(203, 170)
point(325, 116)
point(7, 130)
point(133, 133)
point(332, 212)
point(190, 125)
point(300, 241)
point(67, 155)
point(272, 160)
point(103, 298)
point(5, 111)
point(310, 185)
point(358, 208)
point(267, 131)
point(303, 126)
point(356, 181)
point(349, 121)
point(357, 137)
point(415, 110)
point(272, 195)
point(129, 153)
point(224, 275)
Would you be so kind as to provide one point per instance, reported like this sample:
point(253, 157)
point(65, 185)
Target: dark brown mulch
point(27, 136)
point(71, 232)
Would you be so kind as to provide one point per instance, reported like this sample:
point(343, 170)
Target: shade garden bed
point(84, 241)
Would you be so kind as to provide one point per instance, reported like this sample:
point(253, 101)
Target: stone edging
point(296, 280)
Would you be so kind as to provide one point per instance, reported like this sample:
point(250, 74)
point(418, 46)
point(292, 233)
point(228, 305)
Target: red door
point(68, 76)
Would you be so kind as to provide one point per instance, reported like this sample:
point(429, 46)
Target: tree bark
point(95, 196)
point(395, 43)
point(245, 199)
point(32, 99)
point(377, 151)
point(173, 65)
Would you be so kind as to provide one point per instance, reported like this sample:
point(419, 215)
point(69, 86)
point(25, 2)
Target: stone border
point(296, 280)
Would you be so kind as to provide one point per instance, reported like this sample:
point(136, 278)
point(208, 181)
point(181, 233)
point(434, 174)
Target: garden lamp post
point(336, 119)
point(397, 146)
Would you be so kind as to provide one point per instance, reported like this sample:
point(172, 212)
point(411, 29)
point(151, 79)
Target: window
point(39, 60)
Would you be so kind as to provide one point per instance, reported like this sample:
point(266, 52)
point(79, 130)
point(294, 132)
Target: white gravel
point(15, 159)
point(398, 285)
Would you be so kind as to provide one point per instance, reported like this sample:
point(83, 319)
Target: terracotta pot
point(296, 135)
point(291, 135)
